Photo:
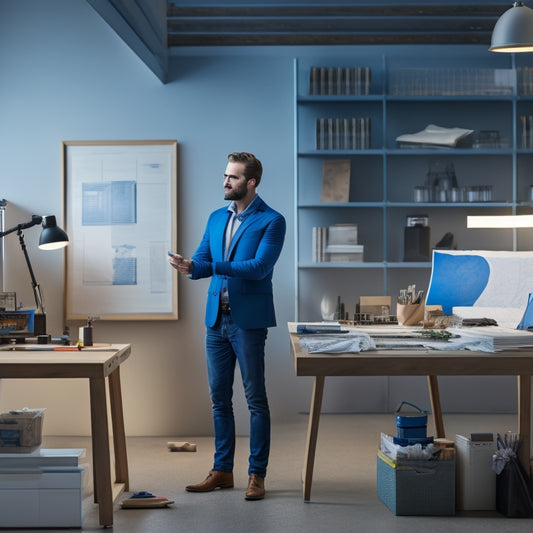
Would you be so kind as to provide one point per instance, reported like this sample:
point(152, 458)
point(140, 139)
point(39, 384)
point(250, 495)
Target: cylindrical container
point(421, 194)
point(442, 195)
point(88, 336)
point(455, 195)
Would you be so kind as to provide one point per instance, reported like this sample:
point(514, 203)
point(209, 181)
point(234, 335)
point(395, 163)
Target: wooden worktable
point(95, 364)
point(413, 362)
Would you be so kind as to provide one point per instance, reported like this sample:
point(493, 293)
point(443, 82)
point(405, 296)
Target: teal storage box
point(416, 488)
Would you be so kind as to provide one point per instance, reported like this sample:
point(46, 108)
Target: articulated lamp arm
point(35, 220)
point(55, 237)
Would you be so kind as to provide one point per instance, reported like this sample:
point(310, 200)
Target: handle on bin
point(412, 405)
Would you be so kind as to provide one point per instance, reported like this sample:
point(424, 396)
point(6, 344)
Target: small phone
point(170, 253)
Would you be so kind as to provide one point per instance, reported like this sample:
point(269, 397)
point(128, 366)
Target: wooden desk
point(423, 362)
point(96, 364)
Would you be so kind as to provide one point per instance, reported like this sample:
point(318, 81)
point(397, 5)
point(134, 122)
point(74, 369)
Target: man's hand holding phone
point(184, 266)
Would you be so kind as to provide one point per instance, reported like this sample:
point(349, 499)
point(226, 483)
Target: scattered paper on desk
point(348, 343)
point(499, 338)
point(480, 339)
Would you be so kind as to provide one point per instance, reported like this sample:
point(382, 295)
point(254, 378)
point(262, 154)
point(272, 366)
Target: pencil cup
point(410, 314)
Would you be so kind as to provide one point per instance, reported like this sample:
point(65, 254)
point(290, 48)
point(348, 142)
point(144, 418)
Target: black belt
point(224, 308)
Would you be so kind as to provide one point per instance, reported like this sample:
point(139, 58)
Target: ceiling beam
point(141, 24)
point(458, 9)
point(326, 25)
point(445, 23)
point(336, 39)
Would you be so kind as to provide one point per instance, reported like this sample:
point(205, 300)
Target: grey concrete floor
point(343, 497)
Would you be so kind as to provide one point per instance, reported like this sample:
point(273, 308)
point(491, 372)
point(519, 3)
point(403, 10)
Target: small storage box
point(21, 431)
point(416, 487)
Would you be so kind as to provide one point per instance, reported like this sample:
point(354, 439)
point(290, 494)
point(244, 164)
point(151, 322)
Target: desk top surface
point(34, 361)
point(411, 362)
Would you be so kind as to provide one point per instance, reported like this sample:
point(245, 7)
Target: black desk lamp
point(52, 237)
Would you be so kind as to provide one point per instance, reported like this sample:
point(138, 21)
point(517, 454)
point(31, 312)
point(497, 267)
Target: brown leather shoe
point(256, 488)
point(216, 479)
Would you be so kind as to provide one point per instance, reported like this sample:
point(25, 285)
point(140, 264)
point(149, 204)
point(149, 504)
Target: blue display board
point(480, 278)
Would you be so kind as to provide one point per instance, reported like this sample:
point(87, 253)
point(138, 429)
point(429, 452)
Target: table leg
point(312, 433)
point(119, 435)
point(103, 493)
point(524, 421)
point(433, 384)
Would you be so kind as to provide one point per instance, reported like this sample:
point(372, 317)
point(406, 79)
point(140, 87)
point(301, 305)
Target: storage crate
point(21, 431)
point(416, 487)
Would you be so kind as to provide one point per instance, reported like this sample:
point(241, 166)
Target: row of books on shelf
point(526, 123)
point(343, 133)
point(339, 80)
point(524, 81)
point(336, 244)
point(452, 81)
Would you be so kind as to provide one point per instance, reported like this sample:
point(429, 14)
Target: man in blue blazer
point(239, 249)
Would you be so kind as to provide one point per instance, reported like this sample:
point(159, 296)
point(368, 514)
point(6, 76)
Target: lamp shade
point(513, 31)
point(52, 237)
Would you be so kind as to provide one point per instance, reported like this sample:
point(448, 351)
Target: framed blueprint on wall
point(120, 213)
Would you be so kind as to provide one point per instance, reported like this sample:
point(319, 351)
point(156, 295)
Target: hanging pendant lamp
point(513, 31)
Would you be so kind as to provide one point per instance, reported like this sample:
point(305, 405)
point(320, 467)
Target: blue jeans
point(225, 344)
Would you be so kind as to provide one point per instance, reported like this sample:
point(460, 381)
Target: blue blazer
point(254, 250)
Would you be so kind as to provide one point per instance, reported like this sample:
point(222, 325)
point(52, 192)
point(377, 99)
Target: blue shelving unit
point(384, 175)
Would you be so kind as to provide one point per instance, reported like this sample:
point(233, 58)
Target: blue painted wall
point(65, 75)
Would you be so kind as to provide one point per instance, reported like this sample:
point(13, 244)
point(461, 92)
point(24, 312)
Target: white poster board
point(120, 215)
point(492, 284)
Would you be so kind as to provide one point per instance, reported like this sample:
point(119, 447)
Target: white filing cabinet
point(475, 481)
point(42, 489)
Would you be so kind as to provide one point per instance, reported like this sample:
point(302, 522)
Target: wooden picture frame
point(119, 202)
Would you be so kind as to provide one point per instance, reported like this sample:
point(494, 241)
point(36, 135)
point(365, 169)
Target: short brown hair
point(252, 166)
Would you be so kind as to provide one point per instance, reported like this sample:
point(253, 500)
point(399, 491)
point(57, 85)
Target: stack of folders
point(339, 80)
point(337, 244)
point(501, 338)
point(343, 133)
